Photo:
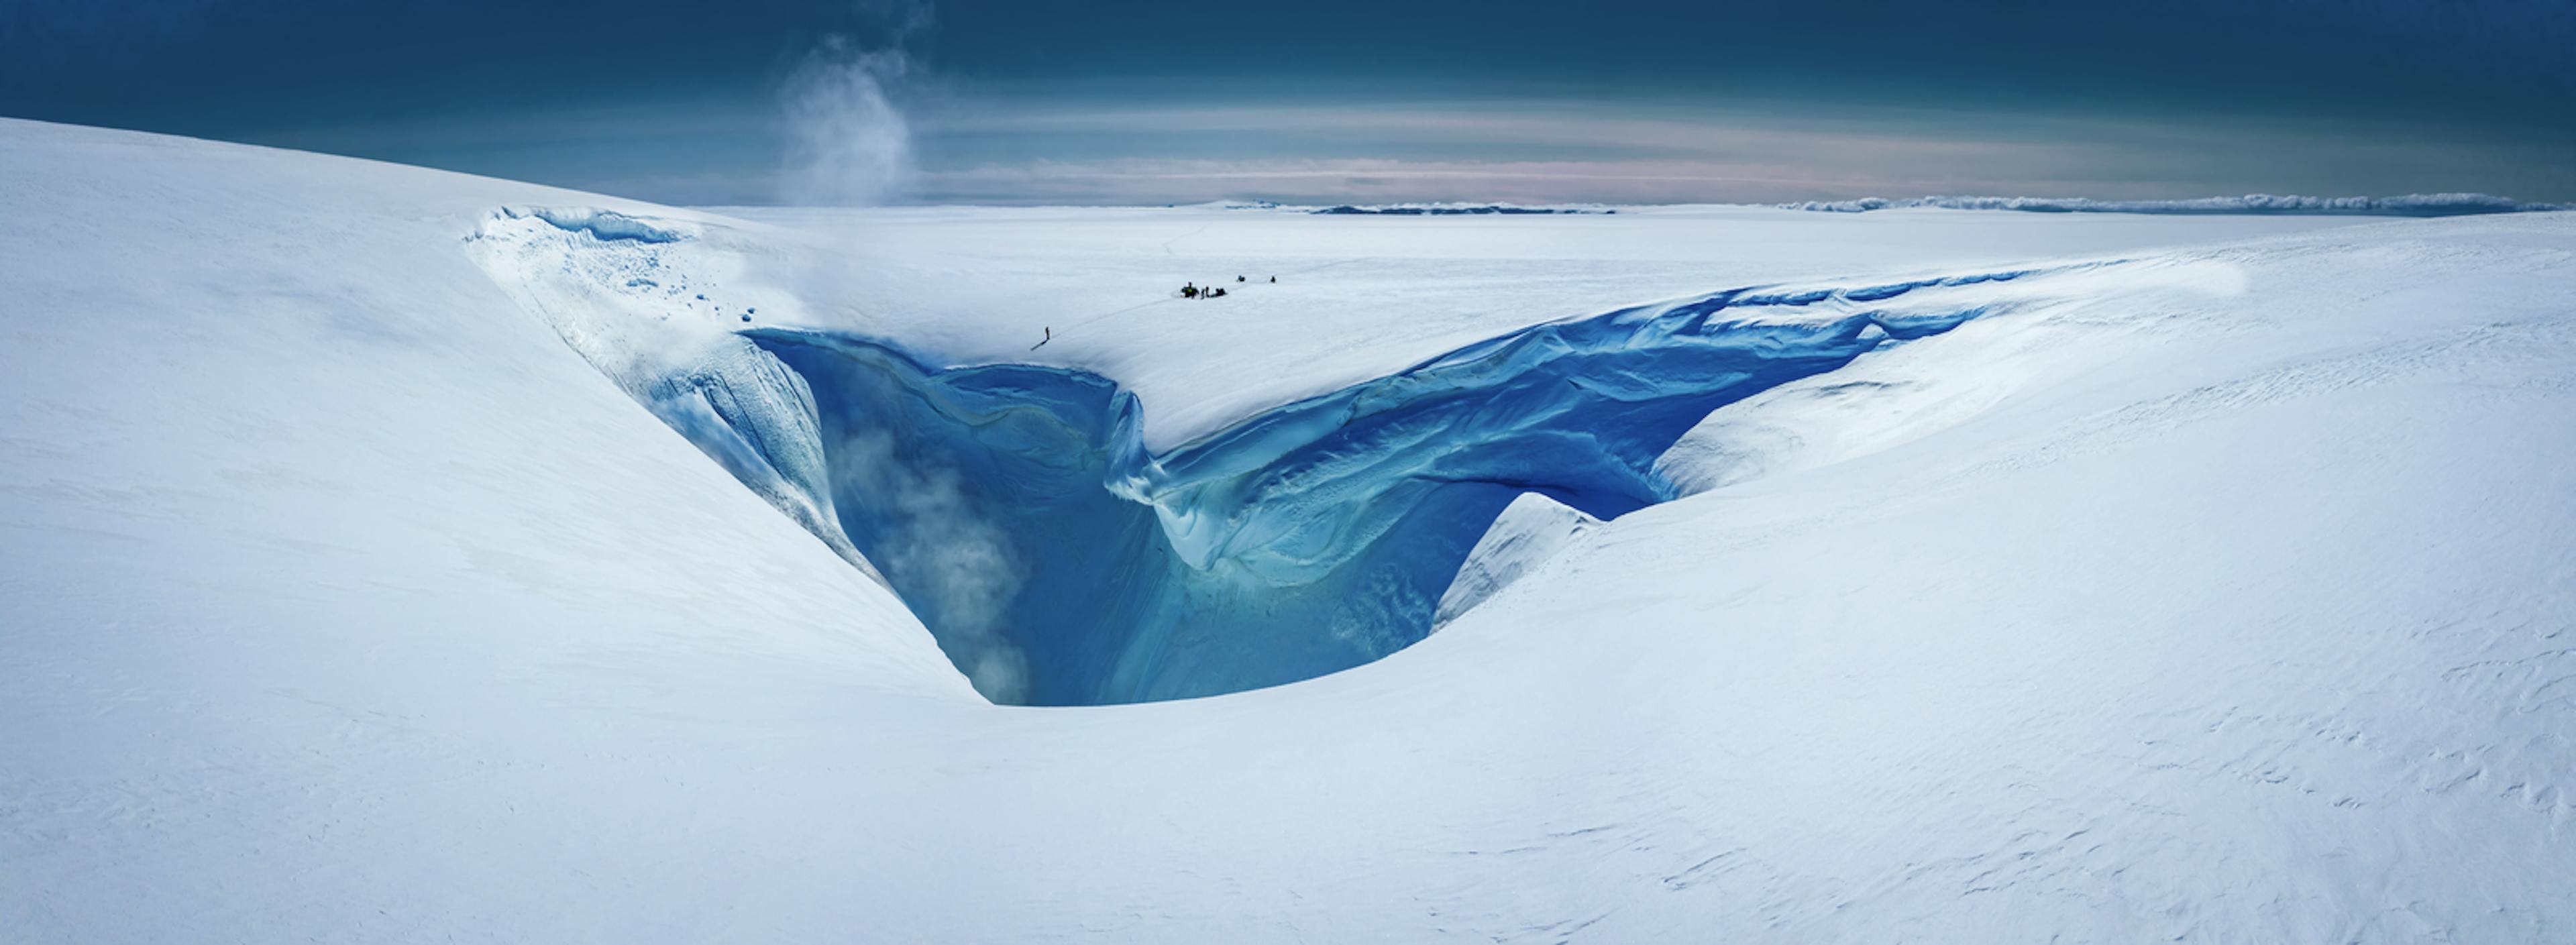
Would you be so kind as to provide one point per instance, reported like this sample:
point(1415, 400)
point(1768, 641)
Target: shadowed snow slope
point(2219, 594)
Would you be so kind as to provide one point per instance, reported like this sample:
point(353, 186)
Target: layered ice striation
point(1015, 509)
point(1058, 561)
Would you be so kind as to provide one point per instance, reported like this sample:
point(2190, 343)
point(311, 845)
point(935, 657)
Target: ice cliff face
point(1059, 561)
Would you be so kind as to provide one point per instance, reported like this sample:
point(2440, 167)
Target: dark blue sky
point(1155, 101)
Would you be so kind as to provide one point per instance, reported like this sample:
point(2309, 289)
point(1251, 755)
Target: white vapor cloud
point(848, 143)
point(953, 565)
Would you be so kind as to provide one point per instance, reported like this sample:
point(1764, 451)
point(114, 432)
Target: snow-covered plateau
point(396, 555)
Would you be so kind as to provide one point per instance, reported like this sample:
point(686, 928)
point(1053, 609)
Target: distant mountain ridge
point(2406, 205)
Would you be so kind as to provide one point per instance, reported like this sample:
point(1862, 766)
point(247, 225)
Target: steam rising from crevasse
point(848, 143)
point(960, 565)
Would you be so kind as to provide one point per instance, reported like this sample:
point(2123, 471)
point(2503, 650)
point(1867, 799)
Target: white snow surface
point(1531, 530)
point(2220, 595)
point(1358, 297)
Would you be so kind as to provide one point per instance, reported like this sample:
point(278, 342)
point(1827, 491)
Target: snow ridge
point(2408, 205)
point(600, 224)
point(607, 283)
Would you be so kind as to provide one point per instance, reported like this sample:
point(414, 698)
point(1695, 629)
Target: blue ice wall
point(1060, 563)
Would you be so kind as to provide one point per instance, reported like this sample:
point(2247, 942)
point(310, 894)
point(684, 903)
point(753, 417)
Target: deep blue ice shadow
point(1015, 502)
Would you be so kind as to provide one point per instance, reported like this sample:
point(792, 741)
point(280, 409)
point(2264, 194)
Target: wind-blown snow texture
point(2211, 588)
point(2409, 205)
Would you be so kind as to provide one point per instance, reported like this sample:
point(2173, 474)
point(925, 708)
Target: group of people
point(1189, 290)
point(1192, 290)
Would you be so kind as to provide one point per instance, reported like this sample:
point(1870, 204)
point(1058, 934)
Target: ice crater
point(1059, 562)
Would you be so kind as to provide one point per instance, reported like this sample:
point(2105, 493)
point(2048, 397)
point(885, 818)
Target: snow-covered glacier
point(395, 555)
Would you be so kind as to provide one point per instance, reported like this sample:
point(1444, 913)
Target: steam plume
point(955, 567)
point(848, 143)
